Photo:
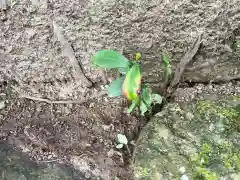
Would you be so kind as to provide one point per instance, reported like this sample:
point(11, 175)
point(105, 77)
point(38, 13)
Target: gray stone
point(16, 165)
point(203, 136)
point(155, 27)
point(2, 105)
point(149, 26)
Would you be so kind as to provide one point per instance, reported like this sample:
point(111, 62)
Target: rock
point(30, 33)
point(194, 140)
point(2, 105)
point(16, 165)
point(149, 26)
point(169, 27)
point(3, 4)
point(50, 156)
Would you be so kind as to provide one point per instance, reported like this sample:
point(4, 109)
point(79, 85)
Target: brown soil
point(33, 62)
point(79, 135)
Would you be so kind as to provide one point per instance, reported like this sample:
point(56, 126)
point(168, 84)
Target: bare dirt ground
point(37, 61)
point(81, 135)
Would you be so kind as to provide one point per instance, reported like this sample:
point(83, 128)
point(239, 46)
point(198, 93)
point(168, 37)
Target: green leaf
point(119, 146)
point(167, 64)
point(157, 98)
point(143, 108)
point(122, 139)
point(132, 106)
point(123, 70)
point(110, 59)
point(169, 70)
point(146, 96)
point(115, 88)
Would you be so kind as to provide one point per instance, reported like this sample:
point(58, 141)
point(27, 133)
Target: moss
point(203, 157)
point(200, 163)
point(228, 114)
point(232, 161)
point(207, 106)
point(236, 160)
point(236, 46)
point(205, 173)
point(142, 172)
point(234, 98)
point(208, 127)
point(226, 153)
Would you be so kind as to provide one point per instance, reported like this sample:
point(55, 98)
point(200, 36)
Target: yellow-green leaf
point(138, 56)
point(143, 108)
point(132, 83)
point(167, 64)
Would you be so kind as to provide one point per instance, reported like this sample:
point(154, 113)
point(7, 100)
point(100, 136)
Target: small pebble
point(184, 177)
point(210, 86)
point(182, 170)
point(102, 87)
point(87, 175)
point(91, 105)
point(54, 155)
point(30, 32)
point(2, 105)
point(2, 134)
point(50, 156)
point(105, 99)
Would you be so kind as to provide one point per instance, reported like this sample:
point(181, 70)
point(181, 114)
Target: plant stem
point(145, 102)
point(128, 149)
point(148, 107)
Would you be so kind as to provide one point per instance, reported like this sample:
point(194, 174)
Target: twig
point(185, 61)
point(22, 95)
point(128, 150)
point(104, 77)
point(53, 160)
point(68, 51)
point(51, 111)
point(61, 102)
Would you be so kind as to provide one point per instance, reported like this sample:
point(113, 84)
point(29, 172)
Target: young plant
point(122, 141)
point(129, 84)
point(167, 64)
